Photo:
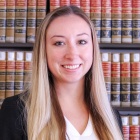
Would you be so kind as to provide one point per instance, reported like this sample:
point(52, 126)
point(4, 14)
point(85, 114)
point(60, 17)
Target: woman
point(67, 98)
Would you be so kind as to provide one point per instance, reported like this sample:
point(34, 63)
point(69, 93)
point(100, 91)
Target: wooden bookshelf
point(128, 110)
point(113, 46)
point(16, 46)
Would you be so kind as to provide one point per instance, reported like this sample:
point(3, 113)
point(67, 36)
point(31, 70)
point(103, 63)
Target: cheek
point(88, 55)
point(53, 60)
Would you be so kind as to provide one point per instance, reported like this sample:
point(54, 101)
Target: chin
point(74, 80)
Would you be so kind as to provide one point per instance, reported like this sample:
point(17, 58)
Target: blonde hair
point(45, 120)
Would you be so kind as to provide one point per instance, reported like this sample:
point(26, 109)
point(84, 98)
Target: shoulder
point(12, 105)
point(12, 124)
point(12, 102)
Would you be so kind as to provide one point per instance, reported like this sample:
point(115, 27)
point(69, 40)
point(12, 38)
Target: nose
point(71, 51)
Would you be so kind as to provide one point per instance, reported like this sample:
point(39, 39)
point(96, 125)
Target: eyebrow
point(82, 34)
point(57, 36)
point(64, 37)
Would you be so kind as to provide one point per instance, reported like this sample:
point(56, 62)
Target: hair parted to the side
point(45, 120)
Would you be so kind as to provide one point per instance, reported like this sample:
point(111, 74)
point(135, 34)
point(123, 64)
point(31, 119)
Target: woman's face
point(69, 48)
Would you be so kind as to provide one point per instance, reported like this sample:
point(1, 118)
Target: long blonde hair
point(45, 120)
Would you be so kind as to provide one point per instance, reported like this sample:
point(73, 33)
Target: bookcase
point(123, 48)
point(129, 115)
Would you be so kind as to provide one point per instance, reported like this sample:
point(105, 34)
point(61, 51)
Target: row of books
point(115, 21)
point(19, 19)
point(121, 74)
point(122, 78)
point(131, 127)
point(15, 73)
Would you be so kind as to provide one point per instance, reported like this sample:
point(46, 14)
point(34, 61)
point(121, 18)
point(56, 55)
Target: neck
point(72, 103)
point(70, 92)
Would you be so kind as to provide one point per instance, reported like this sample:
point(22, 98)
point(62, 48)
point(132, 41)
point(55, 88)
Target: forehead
point(68, 23)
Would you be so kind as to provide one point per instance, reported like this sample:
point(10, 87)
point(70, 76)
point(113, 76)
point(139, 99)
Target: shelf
point(112, 46)
point(16, 46)
point(128, 110)
point(119, 46)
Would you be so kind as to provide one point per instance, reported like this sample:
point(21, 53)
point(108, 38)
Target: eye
point(59, 43)
point(82, 42)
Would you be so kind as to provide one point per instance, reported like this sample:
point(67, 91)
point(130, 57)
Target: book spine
point(54, 4)
point(75, 2)
point(95, 16)
point(2, 76)
point(125, 127)
point(41, 11)
point(126, 21)
point(31, 21)
point(10, 74)
point(64, 2)
point(116, 10)
point(135, 79)
point(20, 20)
point(19, 72)
point(10, 20)
point(85, 6)
point(27, 69)
point(2, 20)
point(125, 79)
point(106, 65)
point(106, 21)
point(115, 79)
point(134, 127)
point(136, 21)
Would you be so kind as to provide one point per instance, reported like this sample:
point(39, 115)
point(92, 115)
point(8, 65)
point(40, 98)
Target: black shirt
point(12, 122)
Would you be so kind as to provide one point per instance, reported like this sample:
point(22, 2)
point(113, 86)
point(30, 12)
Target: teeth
point(71, 66)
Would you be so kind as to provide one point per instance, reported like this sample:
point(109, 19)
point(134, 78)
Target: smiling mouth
point(71, 67)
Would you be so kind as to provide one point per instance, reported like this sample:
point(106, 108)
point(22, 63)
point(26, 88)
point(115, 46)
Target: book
point(31, 21)
point(135, 79)
point(134, 127)
point(10, 20)
point(20, 20)
point(115, 79)
point(27, 69)
point(136, 21)
point(41, 11)
point(125, 127)
point(54, 4)
point(95, 16)
point(106, 21)
point(106, 65)
point(10, 73)
point(125, 79)
point(19, 73)
point(127, 21)
point(75, 2)
point(2, 76)
point(64, 2)
point(2, 20)
point(85, 6)
point(116, 17)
